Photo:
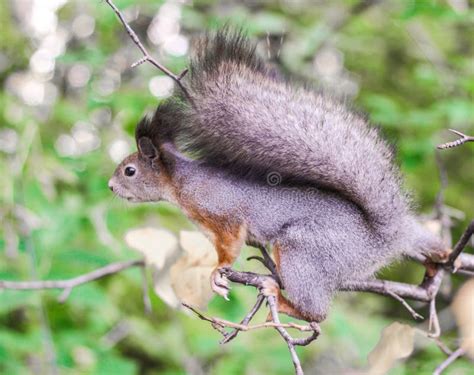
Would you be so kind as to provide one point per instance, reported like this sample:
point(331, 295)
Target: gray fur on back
point(248, 122)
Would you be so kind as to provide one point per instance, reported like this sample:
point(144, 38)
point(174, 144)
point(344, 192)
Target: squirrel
point(253, 159)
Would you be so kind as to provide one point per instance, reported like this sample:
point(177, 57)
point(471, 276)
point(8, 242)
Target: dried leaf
point(198, 247)
point(163, 289)
point(396, 342)
point(187, 280)
point(156, 245)
point(191, 273)
point(463, 309)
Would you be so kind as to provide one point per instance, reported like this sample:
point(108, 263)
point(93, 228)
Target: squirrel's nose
point(111, 186)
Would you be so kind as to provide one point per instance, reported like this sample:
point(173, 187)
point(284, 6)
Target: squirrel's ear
point(146, 148)
point(168, 155)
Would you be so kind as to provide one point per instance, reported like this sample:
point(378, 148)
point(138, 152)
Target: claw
point(220, 284)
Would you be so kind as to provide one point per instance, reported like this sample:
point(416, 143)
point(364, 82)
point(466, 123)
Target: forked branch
point(463, 139)
point(258, 281)
point(69, 284)
point(146, 56)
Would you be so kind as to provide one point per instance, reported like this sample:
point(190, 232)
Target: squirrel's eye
point(130, 171)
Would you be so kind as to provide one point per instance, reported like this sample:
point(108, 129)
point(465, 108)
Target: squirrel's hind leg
point(308, 270)
point(284, 306)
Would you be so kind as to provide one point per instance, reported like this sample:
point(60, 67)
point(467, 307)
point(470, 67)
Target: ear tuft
point(146, 148)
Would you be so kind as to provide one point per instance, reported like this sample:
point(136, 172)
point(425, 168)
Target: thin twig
point(433, 324)
point(464, 139)
point(69, 284)
point(441, 345)
point(459, 247)
point(147, 56)
point(454, 355)
point(406, 305)
point(268, 262)
point(388, 288)
point(244, 327)
point(231, 335)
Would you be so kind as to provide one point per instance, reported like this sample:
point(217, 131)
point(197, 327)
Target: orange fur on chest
point(227, 234)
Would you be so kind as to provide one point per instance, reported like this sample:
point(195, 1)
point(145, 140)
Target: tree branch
point(410, 309)
point(452, 357)
point(146, 56)
point(231, 335)
point(258, 281)
point(245, 327)
point(464, 139)
point(387, 288)
point(459, 247)
point(69, 284)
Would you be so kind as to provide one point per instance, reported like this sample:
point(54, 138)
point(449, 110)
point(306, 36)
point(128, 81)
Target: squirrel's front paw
point(219, 283)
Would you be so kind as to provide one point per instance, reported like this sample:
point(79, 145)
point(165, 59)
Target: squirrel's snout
point(111, 185)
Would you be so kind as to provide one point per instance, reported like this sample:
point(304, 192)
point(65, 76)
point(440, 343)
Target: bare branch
point(388, 288)
point(441, 345)
point(69, 284)
point(258, 281)
point(464, 139)
point(453, 356)
point(459, 247)
point(267, 261)
point(413, 313)
point(244, 327)
point(146, 56)
point(231, 335)
point(433, 324)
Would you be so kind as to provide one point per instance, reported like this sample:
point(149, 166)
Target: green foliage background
point(409, 65)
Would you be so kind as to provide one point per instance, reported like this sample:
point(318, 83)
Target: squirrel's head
point(143, 176)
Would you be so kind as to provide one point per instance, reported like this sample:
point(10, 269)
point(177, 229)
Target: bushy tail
point(246, 120)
